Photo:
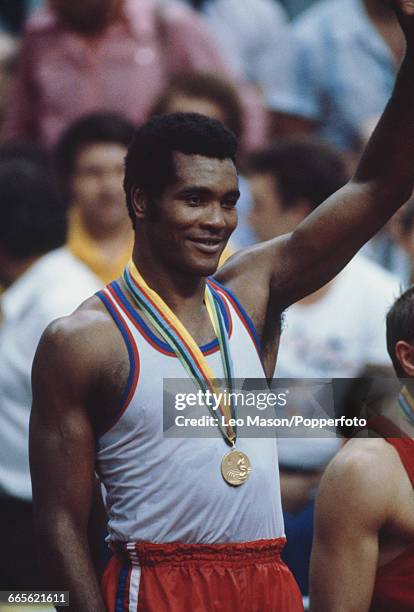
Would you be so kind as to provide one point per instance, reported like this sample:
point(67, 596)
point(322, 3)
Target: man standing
point(175, 517)
point(363, 552)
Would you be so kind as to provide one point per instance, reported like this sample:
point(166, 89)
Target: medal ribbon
point(406, 402)
point(183, 344)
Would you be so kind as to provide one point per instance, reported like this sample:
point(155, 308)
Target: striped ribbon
point(183, 344)
point(406, 402)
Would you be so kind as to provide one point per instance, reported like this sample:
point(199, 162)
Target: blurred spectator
point(90, 157)
point(205, 93)
point(254, 36)
point(107, 55)
point(331, 333)
point(348, 52)
point(387, 249)
point(403, 245)
point(216, 97)
point(289, 180)
point(8, 57)
point(43, 281)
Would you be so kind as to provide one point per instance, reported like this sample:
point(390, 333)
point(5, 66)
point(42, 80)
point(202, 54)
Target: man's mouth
point(208, 245)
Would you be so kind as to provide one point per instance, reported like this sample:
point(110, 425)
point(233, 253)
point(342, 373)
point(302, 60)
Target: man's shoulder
point(362, 480)
point(360, 454)
point(243, 273)
point(84, 335)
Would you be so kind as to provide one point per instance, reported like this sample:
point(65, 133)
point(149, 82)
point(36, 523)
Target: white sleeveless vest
point(171, 489)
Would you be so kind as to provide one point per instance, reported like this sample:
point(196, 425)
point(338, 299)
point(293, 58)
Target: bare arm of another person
point(286, 269)
point(62, 458)
point(355, 499)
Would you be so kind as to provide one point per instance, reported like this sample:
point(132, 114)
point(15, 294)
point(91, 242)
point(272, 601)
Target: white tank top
point(171, 489)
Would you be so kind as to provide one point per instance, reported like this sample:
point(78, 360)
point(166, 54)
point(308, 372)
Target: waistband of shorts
point(171, 553)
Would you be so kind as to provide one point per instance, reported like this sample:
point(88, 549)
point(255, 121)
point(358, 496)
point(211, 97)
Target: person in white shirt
point(42, 281)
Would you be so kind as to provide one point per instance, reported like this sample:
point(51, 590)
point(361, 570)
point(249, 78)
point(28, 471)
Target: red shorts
point(248, 577)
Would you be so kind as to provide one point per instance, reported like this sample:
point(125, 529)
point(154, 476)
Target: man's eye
point(230, 203)
point(194, 200)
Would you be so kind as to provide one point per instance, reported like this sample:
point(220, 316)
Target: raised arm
point(355, 500)
point(297, 264)
point(62, 456)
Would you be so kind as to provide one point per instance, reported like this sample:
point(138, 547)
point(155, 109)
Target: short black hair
point(99, 127)
point(149, 163)
point(204, 85)
point(400, 326)
point(31, 207)
point(303, 167)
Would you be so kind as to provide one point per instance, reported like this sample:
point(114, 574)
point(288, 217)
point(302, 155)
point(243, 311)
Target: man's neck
point(183, 293)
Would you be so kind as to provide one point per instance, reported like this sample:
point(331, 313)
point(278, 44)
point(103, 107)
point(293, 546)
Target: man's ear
point(139, 203)
point(405, 355)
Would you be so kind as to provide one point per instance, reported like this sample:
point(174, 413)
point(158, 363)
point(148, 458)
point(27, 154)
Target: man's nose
point(215, 216)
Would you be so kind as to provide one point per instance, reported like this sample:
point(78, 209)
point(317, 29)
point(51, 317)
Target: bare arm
point(355, 500)
point(62, 455)
point(297, 264)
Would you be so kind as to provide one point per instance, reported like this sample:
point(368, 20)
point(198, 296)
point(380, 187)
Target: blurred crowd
point(301, 84)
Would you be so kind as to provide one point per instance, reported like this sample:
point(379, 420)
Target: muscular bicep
point(287, 268)
point(352, 506)
point(344, 558)
point(61, 436)
point(62, 451)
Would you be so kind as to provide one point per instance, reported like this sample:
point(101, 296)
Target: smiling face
point(195, 216)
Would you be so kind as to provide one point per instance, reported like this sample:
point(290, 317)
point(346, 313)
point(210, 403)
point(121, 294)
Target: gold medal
point(235, 468)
